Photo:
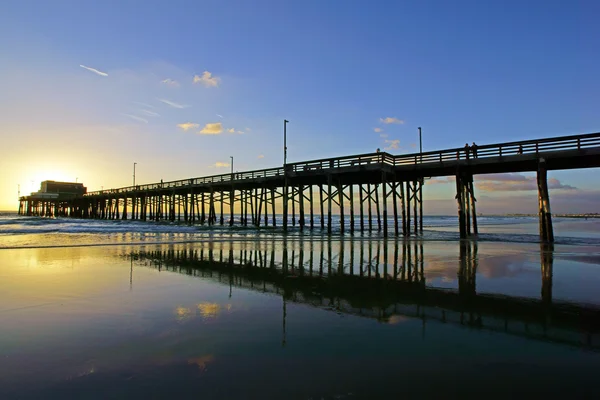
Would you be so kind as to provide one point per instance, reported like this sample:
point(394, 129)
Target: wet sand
point(133, 321)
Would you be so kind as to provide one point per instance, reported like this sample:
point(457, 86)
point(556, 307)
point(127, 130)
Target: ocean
point(95, 309)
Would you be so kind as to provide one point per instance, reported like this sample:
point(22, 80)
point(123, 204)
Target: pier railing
point(527, 147)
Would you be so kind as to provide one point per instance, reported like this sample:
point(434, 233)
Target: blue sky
point(484, 71)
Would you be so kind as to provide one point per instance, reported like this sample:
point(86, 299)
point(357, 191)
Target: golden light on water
point(209, 310)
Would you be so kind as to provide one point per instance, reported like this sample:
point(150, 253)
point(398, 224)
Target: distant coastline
point(588, 215)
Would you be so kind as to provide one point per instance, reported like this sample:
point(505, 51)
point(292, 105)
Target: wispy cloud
point(391, 120)
point(377, 130)
point(220, 164)
point(170, 82)
point(516, 182)
point(173, 104)
point(150, 113)
point(393, 144)
point(212, 129)
point(207, 79)
point(220, 116)
point(135, 117)
point(94, 70)
point(261, 156)
point(248, 129)
point(240, 132)
point(187, 126)
point(383, 135)
point(231, 130)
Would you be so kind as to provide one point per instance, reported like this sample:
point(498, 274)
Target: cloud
point(393, 144)
point(207, 79)
point(511, 182)
point(135, 117)
point(248, 129)
point(172, 104)
point(240, 132)
point(212, 129)
point(220, 164)
point(187, 126)
point(150, 113)
point(231, 130)
point(170, 82)
point(94, 70)
point(220, 116)
point(261, 156)
point(391, 120)
point(383, 135)
point(377, 130)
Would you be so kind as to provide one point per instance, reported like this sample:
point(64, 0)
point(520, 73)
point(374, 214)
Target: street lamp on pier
point(134, 164)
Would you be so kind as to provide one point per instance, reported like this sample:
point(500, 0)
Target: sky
point(88, 88)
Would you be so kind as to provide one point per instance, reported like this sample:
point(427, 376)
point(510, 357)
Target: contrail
point(140, 119)
point(94, 70)
point(172, 104)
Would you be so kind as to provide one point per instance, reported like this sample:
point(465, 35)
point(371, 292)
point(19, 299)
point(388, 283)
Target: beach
point(96, 309)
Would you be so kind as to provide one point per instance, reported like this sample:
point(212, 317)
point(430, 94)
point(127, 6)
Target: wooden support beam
point(312, 216)
point(329, 204)
point(384, 195)
point(341, 201)
point(395, 205)
point(301, 206)
point(285, 205)
point(273, 207)
point(416, 204)
point(231, 205)
point(545, 215)
point(370, 199)
point(421, 206)
point(222, 218)
point(376, 190)
point(203, 213)
point(321, 206)
point(361, 194)
point(351, 196)
point(462, 221)
point(408, 197)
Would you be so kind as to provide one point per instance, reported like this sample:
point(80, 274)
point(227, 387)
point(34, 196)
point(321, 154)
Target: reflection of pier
point(382, 280)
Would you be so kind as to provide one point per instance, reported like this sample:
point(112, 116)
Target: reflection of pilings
point(547, 263)
point(468, 268)
point(381, 296)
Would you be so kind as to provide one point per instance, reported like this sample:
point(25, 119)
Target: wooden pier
point(361, 187)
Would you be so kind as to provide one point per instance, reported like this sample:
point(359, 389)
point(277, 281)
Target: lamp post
point(231, 164)
point(420, 142)
point(134, 164)
point(285, 121)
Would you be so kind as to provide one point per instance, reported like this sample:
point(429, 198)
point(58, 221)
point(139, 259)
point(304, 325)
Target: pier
point(368, 188)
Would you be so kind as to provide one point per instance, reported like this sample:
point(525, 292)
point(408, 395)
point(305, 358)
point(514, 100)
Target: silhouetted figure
point(474, 150)
point(520, 149)
point(467, 150)
point(378, 150)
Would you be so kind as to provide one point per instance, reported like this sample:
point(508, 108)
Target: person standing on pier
point(474, 150)
point(467, 150)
